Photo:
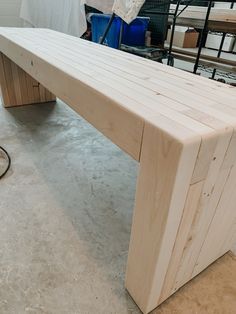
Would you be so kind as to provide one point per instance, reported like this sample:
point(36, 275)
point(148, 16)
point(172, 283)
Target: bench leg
point(166, 168)
point(233, 250)
point(184, 215)
point(19, 88)
point(233, 241)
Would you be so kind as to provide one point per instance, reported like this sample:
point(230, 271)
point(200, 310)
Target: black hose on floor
point(8, 159)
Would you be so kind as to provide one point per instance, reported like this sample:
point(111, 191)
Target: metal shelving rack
point(154, 8)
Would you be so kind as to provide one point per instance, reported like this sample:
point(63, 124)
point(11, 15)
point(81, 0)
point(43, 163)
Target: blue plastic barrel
point(133, 33)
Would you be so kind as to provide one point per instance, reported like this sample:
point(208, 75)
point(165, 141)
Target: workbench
point(220, 20)
point(181, 128)
point(207, 19)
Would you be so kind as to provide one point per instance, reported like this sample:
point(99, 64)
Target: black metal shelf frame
point(175, 15)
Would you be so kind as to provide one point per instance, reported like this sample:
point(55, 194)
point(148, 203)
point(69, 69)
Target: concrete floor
point(65, 218)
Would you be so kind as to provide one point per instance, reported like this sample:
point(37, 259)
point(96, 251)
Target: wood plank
point(3, 82)
point(23, 86)
point(42, 94)
point(220, 234)
point(18, 87)
point(211, 193)
point(142, 96)
point(107, 63)
point(16, 83)
point(98, 108)
point(48, 95)
point(9, 78)
point(200, 205)
point(158, 209)
point(189, 213)
point(136, 61)
point(224, 218)
point(138, 90)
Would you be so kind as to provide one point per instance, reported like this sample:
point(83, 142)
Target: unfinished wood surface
point(166, 169)
point(18, 88)
point(206, 195)
point(180, 127)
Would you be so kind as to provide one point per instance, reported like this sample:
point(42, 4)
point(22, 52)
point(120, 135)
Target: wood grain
point(179, 126)
point(18, 88)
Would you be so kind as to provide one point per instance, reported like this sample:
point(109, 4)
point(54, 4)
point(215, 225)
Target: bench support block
point(19, 88)
point(184, 215)
point(233, 250)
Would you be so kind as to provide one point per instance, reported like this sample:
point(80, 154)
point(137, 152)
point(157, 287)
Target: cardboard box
point(184, 37)
point(213, 41)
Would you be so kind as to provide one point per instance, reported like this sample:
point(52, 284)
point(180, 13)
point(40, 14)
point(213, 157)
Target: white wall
point(9, 13)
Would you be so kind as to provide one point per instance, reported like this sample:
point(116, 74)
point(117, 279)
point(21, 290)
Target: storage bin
point(214, 39)
point(133, 33)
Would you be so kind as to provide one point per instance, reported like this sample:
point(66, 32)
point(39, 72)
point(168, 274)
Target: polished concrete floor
point(65, 218)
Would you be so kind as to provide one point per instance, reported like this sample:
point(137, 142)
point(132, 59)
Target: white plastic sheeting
point(67, 16)
point(127, 9)
point(104, 6)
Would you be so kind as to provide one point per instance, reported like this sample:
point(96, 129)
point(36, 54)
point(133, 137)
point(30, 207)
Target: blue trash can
point(133, 33)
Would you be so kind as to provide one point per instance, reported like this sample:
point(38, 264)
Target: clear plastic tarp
point(127, 9)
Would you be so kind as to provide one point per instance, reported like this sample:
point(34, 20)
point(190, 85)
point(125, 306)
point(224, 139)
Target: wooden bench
point(180, 127)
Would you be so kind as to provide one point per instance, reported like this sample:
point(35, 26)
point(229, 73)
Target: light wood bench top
point(74, 69)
